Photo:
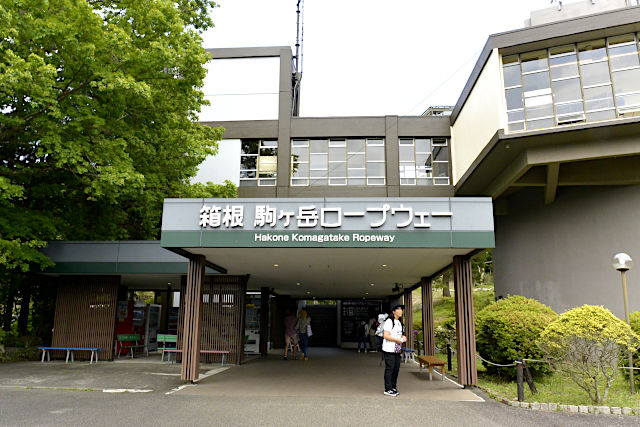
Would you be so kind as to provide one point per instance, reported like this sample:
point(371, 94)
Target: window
point(258, 163)
point(587, 81)
point(424, 161)
point(336, 162)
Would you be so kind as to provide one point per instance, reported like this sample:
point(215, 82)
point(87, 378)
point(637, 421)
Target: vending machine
point(152, 325)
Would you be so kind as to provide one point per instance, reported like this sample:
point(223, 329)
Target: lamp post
point(623, 262)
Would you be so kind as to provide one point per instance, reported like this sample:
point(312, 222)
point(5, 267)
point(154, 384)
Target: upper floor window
point(337, 162)
point(424, 161)
point(258, 163)
point(583, 82)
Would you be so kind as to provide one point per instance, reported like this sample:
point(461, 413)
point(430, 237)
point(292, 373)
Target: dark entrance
point(324, 323)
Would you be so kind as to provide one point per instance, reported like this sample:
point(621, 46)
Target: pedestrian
point(392, 349)
point(373, 326)
point(304, 320)
point(361, 334)
point(290, 333)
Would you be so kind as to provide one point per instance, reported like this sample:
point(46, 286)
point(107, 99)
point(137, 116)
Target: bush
point(446, 334)
point(634, 319)
point(584, 344)
point(508, 330)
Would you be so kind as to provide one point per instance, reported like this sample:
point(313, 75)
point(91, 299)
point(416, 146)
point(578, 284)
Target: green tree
point(585, 344)
point(99, 103)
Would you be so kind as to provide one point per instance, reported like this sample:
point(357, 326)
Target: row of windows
point(583, 82)
point(337, 162)
point(321, 162)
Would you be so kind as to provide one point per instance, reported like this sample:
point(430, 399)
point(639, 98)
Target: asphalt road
point(34, 407)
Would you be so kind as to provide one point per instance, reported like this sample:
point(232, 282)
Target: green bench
point(164, 342)
point(133, 340)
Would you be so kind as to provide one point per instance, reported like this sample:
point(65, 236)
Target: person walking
point(304, 320)
point(290, 333)
point(392, 349)
point(361, 334)
point(373, 326)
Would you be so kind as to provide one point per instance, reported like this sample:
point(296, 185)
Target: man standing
point(392, 349)
point(290, 334)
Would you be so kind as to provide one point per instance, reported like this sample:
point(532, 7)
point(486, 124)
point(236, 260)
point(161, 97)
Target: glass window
point(514, 99)
point(595, 74)
point(536, 82)
point(534, 61)
point(319, 162)
point(592, 51)
point(627, 81)
point(428, 162)
point(258, 163)
point(624, 56)
point(512, 76)
point(567, 90)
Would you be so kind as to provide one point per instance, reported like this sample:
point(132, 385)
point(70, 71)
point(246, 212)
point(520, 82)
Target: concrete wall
point(560, 254)
point(479, 119)
point(575, 10)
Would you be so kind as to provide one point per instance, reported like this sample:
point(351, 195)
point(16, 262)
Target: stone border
point(576, 409)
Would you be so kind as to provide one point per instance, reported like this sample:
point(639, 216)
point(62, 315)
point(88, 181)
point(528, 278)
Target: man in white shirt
point(392, 349)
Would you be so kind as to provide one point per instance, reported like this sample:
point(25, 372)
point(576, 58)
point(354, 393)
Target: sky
point(373, 57)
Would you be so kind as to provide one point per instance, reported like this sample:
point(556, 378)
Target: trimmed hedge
point(508, 330)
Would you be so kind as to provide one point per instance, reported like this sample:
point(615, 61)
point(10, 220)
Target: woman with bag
point(392, 349)
point(304, 332)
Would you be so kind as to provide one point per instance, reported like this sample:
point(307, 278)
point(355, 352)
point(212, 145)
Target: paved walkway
point(329, 373)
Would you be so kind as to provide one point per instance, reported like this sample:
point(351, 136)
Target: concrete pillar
point(465, 327)
point(408, 318)
point(264, 320)
point(428, 331)
point(192, 319)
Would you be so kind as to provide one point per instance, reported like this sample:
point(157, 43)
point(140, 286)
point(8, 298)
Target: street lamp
point(623, 262)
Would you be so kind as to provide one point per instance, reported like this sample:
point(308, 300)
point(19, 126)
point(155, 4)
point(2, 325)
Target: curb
point(557, 407)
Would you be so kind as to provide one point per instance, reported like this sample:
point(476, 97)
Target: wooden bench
point(431, 361)
point(163, 340)
point(224, 353)
point(70, 350)
point(131, 338)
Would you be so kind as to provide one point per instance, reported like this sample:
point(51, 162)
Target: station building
point(539, 158)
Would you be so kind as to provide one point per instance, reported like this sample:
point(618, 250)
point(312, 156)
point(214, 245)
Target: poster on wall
point(354, 312)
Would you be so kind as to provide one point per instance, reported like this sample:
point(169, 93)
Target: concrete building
point(543, 142)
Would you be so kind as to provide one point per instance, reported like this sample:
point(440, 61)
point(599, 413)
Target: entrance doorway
point(324, 322)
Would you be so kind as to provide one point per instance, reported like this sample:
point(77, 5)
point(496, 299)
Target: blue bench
point(70, 350)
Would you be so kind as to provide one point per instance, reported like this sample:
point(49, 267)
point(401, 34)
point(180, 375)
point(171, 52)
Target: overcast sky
point(373, 57)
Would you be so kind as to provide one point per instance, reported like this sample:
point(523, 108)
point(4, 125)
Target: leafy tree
point(98, 102)
point(584, 344)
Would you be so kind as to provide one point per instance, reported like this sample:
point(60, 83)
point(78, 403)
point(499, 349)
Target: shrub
point(584, 344)
point(634, 320)
point(508, 330)
point(445, 334)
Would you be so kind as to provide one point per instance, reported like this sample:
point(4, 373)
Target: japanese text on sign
point(265, 216)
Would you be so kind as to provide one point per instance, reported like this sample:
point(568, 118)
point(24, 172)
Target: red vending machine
point(124, 323)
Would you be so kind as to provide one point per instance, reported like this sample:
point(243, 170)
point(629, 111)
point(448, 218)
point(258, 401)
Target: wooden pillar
point(192, 319)
point(428, 331)
point(242, 306)
point(408, 318)
point(465, 327)
point(264, 320)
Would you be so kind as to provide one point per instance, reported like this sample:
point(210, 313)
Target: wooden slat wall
point(408, 318)
point(223, 315)
point(85, 314)
point(428, 331)
point(465, 327)
point(191, 304)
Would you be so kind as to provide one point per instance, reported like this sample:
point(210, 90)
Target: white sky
point(373, 57)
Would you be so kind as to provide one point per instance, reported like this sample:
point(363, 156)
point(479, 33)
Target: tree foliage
point(584, 344)
point(99, 102)
point(508, 330)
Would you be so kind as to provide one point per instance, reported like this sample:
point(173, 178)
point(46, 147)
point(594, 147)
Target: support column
point(465, 327)
point(264, 320)
point(428, 331)
point(408, 319)
point(192, 319)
